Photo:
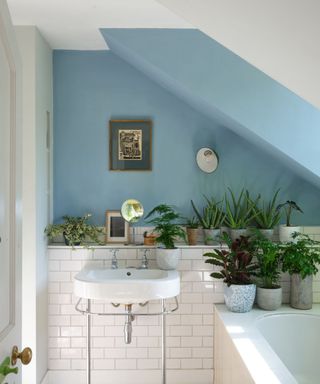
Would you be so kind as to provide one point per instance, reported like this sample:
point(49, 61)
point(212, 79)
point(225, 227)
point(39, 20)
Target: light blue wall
point(90, 88)
point(220, 83)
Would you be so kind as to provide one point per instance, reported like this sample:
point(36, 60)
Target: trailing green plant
point(289, 206)
point(75, 230)
point(267, 216)
point(237, 266)
point(212, 214)
point(240, 212)
point(301, 256)
point(166, 225)
point(268, 257)
point(192, 223)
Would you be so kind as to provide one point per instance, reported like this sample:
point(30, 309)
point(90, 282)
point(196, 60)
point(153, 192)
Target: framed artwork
point(130, 145)
point(117, 229)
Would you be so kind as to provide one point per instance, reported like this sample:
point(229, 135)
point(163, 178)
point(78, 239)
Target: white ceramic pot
point(269, 299)
point(285, 233)
point(168, 258)
point(236, 233)
point(211, 236)
point(239, 298)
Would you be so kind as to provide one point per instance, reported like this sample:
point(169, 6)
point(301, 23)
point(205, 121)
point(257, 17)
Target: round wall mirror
point(207, 160)
point(132, 210)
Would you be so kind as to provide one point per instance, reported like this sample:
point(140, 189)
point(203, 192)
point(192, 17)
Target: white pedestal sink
point(126, 286)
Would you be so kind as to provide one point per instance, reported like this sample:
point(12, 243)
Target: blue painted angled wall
point(219, 83)
point(90, 88)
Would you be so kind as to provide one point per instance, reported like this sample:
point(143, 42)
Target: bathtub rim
point(249, 330)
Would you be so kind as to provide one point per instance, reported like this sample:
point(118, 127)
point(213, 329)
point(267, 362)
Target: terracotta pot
point(192, 234)
point(149, 240)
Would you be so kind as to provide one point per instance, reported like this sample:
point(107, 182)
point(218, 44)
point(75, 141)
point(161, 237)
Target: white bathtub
point(280, 347)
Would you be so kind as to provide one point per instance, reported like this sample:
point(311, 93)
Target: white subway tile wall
point(189, 330)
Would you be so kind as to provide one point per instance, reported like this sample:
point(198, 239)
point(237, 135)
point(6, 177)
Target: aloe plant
point(212, 214)
point(240, 211)
point(267, 216)
point(289, 206)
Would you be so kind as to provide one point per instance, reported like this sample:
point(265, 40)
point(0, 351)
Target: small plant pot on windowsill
point(67, 242)
point(239, 298)
point(192, 235)
point(237, 233)
point(285, 233)
point(168, 259)
point(269, 299)
point(211, 236)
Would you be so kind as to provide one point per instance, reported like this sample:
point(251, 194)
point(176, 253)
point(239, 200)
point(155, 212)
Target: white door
point(10, 193)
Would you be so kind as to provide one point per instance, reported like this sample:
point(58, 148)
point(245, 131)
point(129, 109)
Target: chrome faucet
point(114, 261)
point(145, 262)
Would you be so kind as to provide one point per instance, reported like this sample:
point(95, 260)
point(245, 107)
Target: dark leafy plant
point(301, 257)
point(267, 215)
point(165, 225)
point(212, 215)
point(289, 206)
point(237, 266)
point(75, 230)
point(240, 212)
point(268, 257)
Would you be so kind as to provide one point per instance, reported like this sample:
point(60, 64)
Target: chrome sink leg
point(128, 324)
point(163, 342)
point(88, 342)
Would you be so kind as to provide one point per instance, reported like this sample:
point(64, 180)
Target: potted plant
point(268, 256)
point(240, 212)
point(149, 238)
point(211, 219)
point(75, 230)
point(286, 231)
point(267, 216)
point(237, 270)
point(168, 230)
point(192, 231)
point(300, 259)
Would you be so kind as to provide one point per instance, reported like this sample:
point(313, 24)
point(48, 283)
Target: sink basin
point(126, 286)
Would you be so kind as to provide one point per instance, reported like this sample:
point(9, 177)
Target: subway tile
point(191, 341)
point(53, 287)
point(59, 342)
point(71, 331)
point(71, 353)
point(191, 319)
point(137, 353)
point(58, 364)
point(148, 363)
point(59, 276)
point(58, 320)
point(126, 364)
point(103, 342)
point(70, 265)
point(53, 309)
point(190, 298)
point(114, 353)
point(103, 364)
point(59, 298)
point(59, 254)
point(79, 364)
point(191, 363)
point(173, 341)
point(191, 276)
point(53, 265)
point(53, 353)
point(184, 330)
point(202, 330)
point(183, 352)
point(202, 352)
point(148, 341)
point(66, 287)
point(173, 363)
point(154, 353)
point(191, 254)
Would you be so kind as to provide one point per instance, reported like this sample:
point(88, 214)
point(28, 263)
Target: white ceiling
point(74, 24)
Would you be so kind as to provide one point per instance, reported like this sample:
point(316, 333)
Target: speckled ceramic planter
point(168, 258)
point(239, 298)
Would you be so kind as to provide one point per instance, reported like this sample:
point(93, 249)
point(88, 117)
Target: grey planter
point(239, 298)
point(269, 299)
point(267, 233)
point(236, 233)
point(211, 236)
point(301, 292)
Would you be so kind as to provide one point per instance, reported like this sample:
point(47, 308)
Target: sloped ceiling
point(281, 38)
point(225, 87)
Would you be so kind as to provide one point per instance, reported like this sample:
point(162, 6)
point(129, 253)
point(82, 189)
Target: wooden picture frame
point(130, 145)
point(117, 229)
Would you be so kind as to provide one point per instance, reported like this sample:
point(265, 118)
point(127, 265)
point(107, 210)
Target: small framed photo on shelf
point(130, 145)
point(117, 229)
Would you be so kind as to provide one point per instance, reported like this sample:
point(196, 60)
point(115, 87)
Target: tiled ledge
point(130, 246)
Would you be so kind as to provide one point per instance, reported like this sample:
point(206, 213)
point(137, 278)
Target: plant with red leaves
point(237, 266)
